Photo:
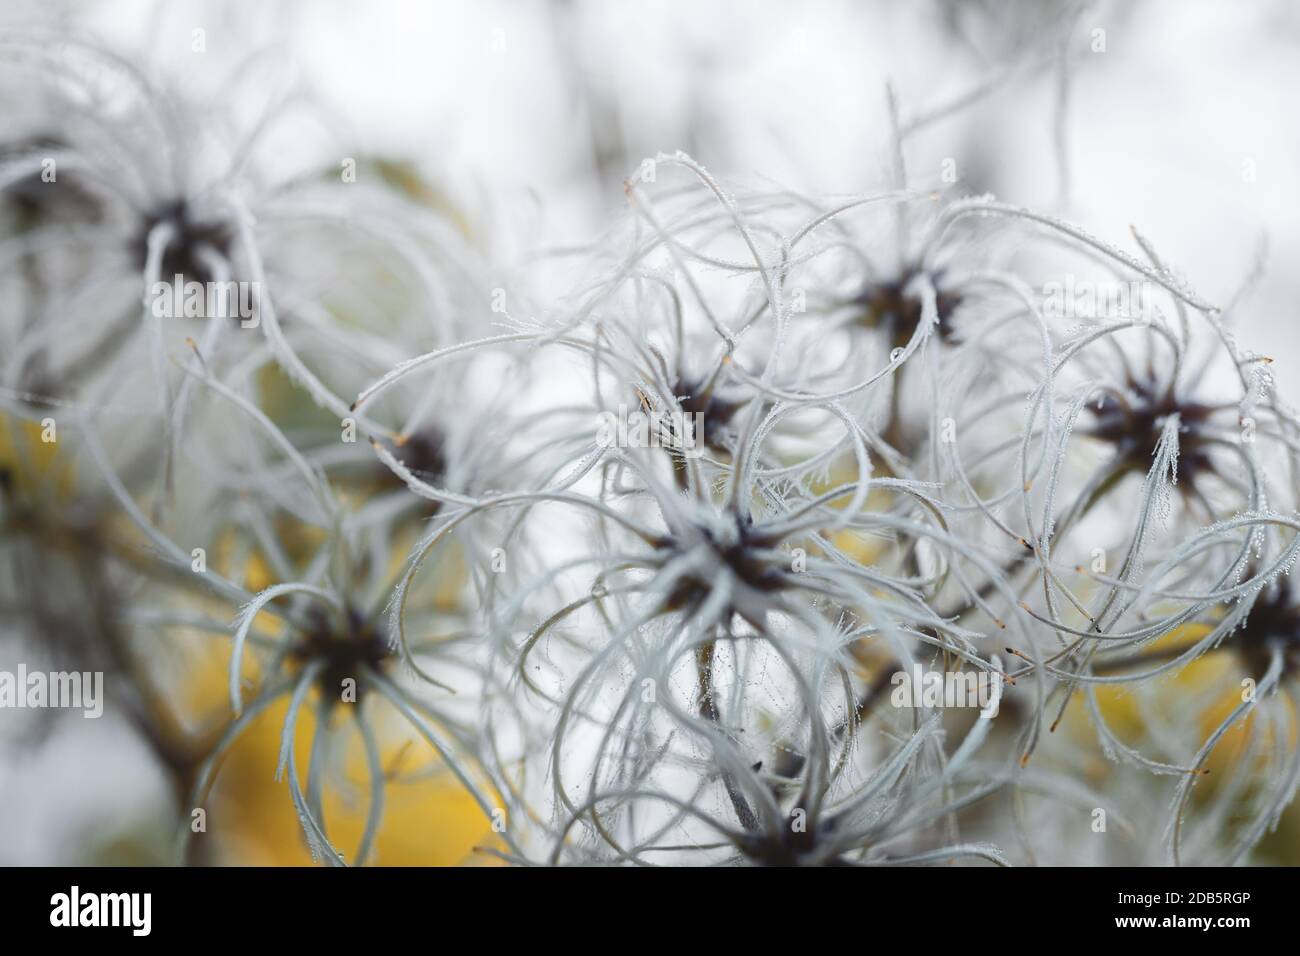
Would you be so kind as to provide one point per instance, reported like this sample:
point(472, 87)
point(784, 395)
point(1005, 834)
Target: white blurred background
point(530, 114)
